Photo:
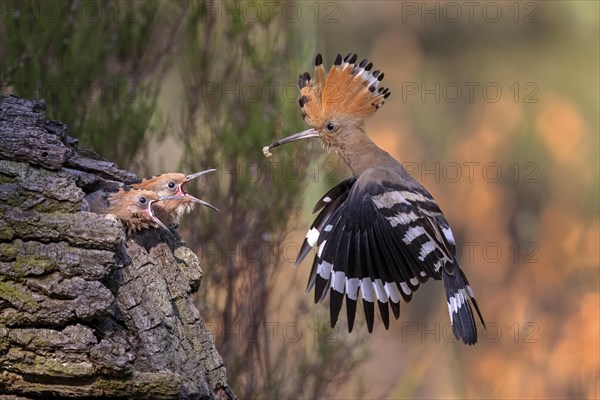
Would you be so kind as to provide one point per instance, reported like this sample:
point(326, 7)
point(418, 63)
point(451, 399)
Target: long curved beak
point(195, 199)
point(197, 174)
point(162, 198)
point(309, 133)
point(154, 217)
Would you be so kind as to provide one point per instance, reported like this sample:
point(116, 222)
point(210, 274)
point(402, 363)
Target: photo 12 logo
point(469, 92)
point(89, 92)
point(268, 11)
point(58, 13)
point(249, 92)
point(321, 332)
point(474, 171)
point(518, 12)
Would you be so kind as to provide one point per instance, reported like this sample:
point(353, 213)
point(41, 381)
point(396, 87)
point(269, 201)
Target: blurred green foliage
point(234, 78)
point(103, 67)
point(107, 68)
point(86, 58)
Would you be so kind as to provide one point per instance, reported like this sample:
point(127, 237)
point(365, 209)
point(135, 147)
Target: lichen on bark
point(84, 310)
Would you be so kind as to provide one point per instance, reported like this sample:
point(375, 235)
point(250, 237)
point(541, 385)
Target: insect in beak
point(309, 133)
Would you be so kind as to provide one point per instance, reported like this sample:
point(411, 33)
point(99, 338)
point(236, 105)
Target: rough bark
point(84, 310)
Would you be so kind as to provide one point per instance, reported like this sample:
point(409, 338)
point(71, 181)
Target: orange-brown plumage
point(132, 206)
point(348, 89)
point(172, 184)
point(336, 106)
point(379, 232)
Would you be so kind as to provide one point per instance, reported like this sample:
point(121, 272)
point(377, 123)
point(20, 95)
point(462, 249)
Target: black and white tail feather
point(383, 235)
point(378, 234)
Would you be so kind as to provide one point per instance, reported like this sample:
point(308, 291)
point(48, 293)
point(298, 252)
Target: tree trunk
point(84, 310)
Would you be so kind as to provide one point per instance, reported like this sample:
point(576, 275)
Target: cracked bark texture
point(84, 310)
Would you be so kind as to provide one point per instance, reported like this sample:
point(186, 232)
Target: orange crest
point(349, 89)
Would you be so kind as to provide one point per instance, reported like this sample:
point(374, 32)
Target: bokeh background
point(495, 108)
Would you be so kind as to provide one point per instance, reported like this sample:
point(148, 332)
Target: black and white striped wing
point(381, 236)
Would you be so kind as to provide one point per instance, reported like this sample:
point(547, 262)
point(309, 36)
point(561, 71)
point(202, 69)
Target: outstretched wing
point(381, 235)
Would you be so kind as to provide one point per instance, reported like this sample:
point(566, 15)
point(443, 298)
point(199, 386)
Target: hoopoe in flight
point(132, 206)
point(379, 231)
point(172, 184)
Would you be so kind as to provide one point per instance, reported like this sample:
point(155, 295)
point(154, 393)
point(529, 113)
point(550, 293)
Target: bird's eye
point(171, 185)
point(329, 127)
point(142, 200)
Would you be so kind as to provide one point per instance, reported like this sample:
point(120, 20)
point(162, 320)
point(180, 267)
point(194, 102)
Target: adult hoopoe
point(379, 231)
point(132, 206)
point(172, 184)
